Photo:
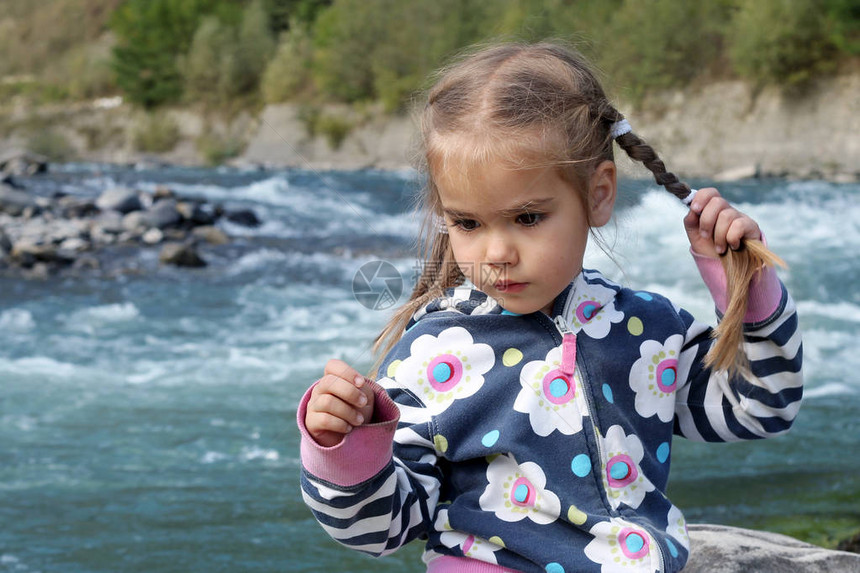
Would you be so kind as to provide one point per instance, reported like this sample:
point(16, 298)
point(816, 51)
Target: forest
point(243, 54)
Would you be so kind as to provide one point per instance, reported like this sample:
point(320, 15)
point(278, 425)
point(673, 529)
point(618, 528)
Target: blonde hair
point(526, 104)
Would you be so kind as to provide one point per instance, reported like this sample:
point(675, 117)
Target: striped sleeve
point(713, 407)
point(391, 507)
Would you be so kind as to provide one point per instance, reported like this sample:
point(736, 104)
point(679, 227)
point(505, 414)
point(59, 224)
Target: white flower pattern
point(654, 377)
point(517, 491)
point(471, 545)
point(444, 368)
point(619, 546)
point(592, 310)
point(677, 527)
point(622, 476)
point(552, 399)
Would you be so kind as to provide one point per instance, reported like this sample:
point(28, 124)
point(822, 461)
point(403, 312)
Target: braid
point(640, 151)
point(741, 266)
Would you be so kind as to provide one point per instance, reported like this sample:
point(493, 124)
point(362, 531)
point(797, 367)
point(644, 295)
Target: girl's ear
point(601, 193)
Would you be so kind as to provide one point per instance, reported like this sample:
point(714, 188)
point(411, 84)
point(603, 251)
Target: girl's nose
point(501, 250)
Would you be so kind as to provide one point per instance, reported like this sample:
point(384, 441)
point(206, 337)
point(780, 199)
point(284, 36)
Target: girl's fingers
point(725, 220)
point(342, 389)
point(321, 422)
point(343, 370)
point(332, 405)
point(709, 215)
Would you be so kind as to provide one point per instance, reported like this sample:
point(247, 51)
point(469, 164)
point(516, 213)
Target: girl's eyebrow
point(528, 206)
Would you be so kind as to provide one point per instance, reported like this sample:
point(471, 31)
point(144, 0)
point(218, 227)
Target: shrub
point(662, 43)
point(155, 132)
point(216, 147)
point(52, 144)
point(289, 72)
point(782, 41)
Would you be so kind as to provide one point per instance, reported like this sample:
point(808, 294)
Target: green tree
point(151, 35)
point(254, 48)
point(781, 41)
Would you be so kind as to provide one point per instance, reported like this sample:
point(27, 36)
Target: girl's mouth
point(510, 286)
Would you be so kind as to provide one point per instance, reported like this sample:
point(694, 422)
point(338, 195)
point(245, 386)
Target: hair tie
point(619, 128)
point(439, 223)
point(689, 198)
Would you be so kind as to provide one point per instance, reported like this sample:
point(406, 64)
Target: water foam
point(17, 320)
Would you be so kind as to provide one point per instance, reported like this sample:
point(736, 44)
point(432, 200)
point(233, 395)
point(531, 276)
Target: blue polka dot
point(663, 452)
point(619, 470)
point(644, 295)
point(442, 372)
point(509, 313)
point(558, 387)
point(668, 377)
point(634, 542)
point(672, 549)
point(554, 568)
point(521, 493)
point(607, 393)
point(581, 465)
point(490, 438)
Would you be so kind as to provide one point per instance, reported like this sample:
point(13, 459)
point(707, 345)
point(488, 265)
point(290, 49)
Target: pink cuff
point(451, 564)
point(362, 453)
point(765, 292)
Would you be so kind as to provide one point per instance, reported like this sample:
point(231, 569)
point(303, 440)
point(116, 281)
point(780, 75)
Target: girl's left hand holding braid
point(713, 225)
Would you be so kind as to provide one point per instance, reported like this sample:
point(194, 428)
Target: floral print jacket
point(539, 443)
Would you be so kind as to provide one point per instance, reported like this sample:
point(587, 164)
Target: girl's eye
point(529, 219)
point(466, 224)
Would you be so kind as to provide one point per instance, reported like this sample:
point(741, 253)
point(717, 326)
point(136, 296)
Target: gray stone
point(153, 236)
point(15, 202)
point(196, 213)
point(210, 234)
point(71, 207)
point(181, 255)
point(23, 163)
point(134, 221)
point(119, 199)
point(163, 214)
point(74, 244)
point(723, 549)
point(110, 222)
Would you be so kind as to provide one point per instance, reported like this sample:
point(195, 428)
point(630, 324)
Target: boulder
point(244, 217)
point(723, 549)
point(163, 214)
point(16, 202)
point(22, 163)
point(196, 213)
point(210, 234)
point(181, 255)
point(119, 199)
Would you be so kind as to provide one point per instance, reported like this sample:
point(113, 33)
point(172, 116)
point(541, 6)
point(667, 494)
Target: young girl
point(524, 413)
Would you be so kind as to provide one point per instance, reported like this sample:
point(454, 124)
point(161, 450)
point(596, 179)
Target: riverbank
point(724, 131)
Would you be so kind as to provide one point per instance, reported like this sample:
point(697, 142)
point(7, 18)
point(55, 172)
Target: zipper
point(568, 366)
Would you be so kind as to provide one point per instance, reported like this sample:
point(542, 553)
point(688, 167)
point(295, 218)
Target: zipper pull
point(568, 347)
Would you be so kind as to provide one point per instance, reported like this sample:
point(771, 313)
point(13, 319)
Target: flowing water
point(147, 419)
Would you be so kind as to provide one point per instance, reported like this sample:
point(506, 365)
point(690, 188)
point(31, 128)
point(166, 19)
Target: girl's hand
point(339, 401)
point(713, 225)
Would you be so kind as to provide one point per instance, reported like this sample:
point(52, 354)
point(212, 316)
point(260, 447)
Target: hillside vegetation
point(241, 53)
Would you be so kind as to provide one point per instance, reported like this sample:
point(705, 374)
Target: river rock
point(134, 222)
point(210, 234)
point(153, 236)
point(119, 199)
point(244, 217)
point(16, 202)
point(196, 213)
point(23, 163)
point(163, 214)
point(110, 222)
point(723, 549)
point(71, 207)
point(181, 255)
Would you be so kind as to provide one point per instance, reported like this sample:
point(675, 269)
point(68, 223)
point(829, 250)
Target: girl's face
point(520, 234)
